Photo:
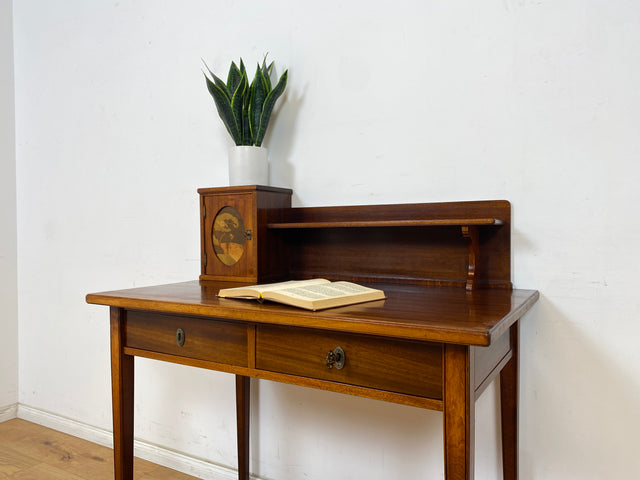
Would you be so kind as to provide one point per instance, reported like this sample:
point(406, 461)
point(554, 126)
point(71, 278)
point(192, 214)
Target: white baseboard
point(147, 451)
point(9, 412)
point(66, 425)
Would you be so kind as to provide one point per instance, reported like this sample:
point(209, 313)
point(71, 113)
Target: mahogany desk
point(433, 343)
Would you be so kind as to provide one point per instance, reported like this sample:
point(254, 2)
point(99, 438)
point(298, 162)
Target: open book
point(315, 294)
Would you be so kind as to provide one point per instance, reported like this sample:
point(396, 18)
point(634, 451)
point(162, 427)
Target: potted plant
point(245, 109)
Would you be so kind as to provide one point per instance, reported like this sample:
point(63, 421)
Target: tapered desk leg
point(509, 409)
point(122, 399)
point(459, 407)
point(242, 416)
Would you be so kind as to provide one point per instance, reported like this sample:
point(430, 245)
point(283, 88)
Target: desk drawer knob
point(180, 337)
point(336, 358)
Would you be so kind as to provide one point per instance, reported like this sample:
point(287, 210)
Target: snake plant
point(245, 109)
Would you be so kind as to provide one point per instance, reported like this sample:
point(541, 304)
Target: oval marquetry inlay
point(228, 235)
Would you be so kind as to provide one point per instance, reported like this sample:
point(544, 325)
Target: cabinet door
point(228, 237)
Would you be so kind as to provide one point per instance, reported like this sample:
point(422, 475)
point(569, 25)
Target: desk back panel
point(371, 243)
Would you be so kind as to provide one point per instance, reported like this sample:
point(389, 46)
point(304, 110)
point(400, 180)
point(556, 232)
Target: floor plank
point(29, 451)
point(44, 471)
point(12, 461)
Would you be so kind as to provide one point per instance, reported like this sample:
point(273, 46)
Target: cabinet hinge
point(204, 258)
point(204, 211)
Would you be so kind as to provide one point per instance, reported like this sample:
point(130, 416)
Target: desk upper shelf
point(442, 244)
point(459, 222)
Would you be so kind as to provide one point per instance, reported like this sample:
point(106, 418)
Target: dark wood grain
point(448, 326)
point(246, 269)
point(388, 223)
point(122, 377)
point(459, 412)
point(243, 402)
point(205, 339)
point(330, 386)
point(494, 209)
point(419, 243)
point(413, 368)
point(448, 315)
point(472, 234)
point(264, 257)
point(509, 381)
point(486, 359)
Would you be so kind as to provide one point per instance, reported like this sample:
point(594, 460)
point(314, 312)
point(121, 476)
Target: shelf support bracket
point(471, 233)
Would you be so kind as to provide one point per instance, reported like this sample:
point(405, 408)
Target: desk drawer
point(204, 339)
point(413, 368)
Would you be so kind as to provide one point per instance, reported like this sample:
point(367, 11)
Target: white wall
point(8, 225)
point(406, 101)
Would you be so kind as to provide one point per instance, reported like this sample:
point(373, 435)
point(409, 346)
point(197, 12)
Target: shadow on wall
point(576, 402)
point(280, 144)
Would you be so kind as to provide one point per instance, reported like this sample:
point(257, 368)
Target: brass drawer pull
point(180, 337)
point(336, 358)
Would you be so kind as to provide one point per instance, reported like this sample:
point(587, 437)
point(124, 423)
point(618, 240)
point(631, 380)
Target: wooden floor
point(31, 452)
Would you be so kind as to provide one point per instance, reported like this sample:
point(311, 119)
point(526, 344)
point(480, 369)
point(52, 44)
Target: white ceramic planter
point(248, 166)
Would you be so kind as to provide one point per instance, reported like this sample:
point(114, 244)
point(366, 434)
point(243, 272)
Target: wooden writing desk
point(448, 327)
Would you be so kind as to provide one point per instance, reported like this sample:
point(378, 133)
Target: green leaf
point(266, 72)
point(266, 84)
point(258, 95)
point(218, 82)
point(252, 94)
point(237, 103)
point(223, 105)
point(246, 129)
point(267, 108)
point(234, 77)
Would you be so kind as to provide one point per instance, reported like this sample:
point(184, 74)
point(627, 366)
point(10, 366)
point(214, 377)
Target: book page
point(256, 291)
point(323, 290)
point(284, 286)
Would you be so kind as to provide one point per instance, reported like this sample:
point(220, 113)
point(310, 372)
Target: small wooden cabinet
point(235, 242)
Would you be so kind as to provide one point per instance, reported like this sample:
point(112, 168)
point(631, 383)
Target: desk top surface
point(439, 314)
